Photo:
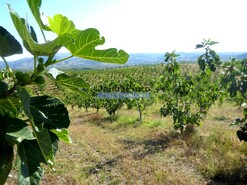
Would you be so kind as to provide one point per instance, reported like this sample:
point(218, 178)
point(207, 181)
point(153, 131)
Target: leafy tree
point(33, 125)
point(235, 83)
point(140, 98)
point(188, 97)
point(112, 103)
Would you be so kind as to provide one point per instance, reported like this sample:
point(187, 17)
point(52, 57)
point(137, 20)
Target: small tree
point(189, 97)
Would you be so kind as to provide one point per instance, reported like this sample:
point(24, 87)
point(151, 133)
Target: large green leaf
point(6, 158)
point(25, 100)
point(19, 130)
point(84, 47)
point(34, 6)
point(42, 134)
point(84, 40)
point(8, 44)
point(50, 112)
point(45, 112)
point(46, 49)
point(7, 107)
point(73, 83)
point(45, 143)
point(30, 172)
point(111, 55)
point(61, 25)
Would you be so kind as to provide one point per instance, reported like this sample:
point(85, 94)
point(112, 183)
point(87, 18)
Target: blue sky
point(149, 25)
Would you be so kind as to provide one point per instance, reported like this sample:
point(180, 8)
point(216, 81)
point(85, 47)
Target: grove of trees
point(31, 125)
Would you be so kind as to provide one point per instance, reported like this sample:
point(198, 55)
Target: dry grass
point(126, 152)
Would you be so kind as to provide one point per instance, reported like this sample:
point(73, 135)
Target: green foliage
point(122, 91)
point(46, 49)
point(22, 78)
point(235, 82)
point(39, 80)
point(208, 61)
point(140, 103)
point(3, 88)
point(188, 97)
point(73, 83)
point(9, 46)
point(33, 125)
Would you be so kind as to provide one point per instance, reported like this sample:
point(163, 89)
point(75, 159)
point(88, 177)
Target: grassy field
point(127, 152)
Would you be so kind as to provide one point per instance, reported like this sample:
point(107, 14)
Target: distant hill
point(242, 56)
point(134, 60)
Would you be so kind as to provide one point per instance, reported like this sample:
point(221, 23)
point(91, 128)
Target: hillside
point(134, 60)
point(242, 56)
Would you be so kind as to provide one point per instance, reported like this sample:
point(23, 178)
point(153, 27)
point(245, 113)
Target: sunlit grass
point(149, 152)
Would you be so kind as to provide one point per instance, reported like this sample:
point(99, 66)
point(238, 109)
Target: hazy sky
point(149, 25)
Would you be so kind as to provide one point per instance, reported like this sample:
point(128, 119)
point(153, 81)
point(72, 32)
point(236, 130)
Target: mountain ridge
point(134, 60)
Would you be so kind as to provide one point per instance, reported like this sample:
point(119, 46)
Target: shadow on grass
point(99, 121)
point(141, 149)
point(111, 122)
point(84, 118)
point(237, 176)
point(103, 166)
point(92, 118)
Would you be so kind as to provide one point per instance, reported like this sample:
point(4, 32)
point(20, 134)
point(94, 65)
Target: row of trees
point(112, 95)
point(186, 96)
